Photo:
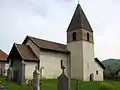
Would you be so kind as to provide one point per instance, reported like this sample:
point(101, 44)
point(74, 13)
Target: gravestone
point(77, 85)
point(9, 74)
point(36, 79)
point(63, 81)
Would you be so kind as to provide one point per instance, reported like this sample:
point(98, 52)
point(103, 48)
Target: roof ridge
point(47, 40)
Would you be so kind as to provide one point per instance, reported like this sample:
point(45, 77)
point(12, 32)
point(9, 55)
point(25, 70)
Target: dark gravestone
point(77, 85)
point(63, 81)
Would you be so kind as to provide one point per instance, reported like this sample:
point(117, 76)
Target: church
point(77, 56)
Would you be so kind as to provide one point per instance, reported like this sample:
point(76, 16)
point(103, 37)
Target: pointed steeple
point(79, 20)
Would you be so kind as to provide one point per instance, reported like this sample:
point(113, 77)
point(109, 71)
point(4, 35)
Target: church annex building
point(77, 55)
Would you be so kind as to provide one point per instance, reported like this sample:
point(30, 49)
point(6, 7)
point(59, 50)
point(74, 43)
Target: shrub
point(106, 86)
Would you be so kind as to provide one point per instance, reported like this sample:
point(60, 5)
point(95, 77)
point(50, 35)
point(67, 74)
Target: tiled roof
point(3, 56)
point(24, 51)
point(79, 20)
point(44, 44)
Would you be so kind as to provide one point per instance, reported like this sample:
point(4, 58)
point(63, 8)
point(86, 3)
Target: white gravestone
point(36, 79)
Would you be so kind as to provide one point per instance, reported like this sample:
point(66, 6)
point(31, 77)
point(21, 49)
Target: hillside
point(112, 65)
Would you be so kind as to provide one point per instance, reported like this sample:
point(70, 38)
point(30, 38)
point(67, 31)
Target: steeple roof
point(79, 20)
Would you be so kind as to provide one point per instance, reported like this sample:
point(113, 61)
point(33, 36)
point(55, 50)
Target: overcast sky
point(49, 19)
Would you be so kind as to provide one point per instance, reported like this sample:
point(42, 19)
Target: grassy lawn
point(52, 85)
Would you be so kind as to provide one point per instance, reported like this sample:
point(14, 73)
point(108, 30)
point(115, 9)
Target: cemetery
point(61, 83)
point(52, 85)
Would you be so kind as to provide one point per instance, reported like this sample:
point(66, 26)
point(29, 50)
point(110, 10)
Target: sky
point(49, 19)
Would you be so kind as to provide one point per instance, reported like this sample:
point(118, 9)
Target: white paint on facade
point(76, 59)
point(29, 69)
point(82, 62)
point(51, 63)
point(47, 59)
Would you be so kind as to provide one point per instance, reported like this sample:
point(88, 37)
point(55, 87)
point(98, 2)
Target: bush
point(106, 86)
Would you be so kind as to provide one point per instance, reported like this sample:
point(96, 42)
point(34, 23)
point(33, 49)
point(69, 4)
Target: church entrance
point(91, 77)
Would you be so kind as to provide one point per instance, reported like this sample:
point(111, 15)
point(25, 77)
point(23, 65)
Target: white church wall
point(76, 59)
point(51, 63)
point(34, 48)
point(88, 60)
point(99, 76)
point(90, 66)
point(29, 69)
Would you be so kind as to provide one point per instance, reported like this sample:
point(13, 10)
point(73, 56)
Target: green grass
point(12, 85)
point(51, 84)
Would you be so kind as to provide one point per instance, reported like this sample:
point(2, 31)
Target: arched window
point(88, 37)
point(74, 36)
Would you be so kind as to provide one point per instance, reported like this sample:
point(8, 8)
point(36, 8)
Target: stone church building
point(77, 55)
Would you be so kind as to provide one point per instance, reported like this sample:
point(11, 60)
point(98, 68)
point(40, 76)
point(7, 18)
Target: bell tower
point(80, 43)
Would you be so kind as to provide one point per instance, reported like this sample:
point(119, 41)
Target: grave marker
point(36, 79)
point(63, 81)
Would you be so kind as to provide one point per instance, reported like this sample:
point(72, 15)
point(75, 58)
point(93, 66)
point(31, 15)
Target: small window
point(74, 36)
point(97, 72)
point(88, 37)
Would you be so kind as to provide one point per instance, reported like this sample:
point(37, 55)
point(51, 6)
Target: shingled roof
point(3, 56)
point(79, 20)
point(22, 51)
point(96, 59)
point(49, 45)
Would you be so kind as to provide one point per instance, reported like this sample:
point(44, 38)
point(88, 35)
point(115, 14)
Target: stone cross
point(63, 81)
point(36, 79)
point(9, 74)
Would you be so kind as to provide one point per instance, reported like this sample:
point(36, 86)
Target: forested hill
point(112, 65)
